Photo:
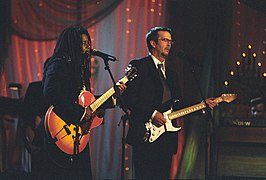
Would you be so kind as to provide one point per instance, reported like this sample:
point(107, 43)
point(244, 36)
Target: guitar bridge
point(148, 126)
point(146, 136)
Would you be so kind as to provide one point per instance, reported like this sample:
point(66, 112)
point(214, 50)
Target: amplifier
point(243, 122)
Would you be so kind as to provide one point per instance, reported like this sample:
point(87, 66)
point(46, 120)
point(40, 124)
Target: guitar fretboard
point(190, 109)
point(98, 102)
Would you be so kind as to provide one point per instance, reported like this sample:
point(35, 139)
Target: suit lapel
point(153, 69)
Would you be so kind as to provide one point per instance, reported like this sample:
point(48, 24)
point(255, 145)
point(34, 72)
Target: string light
point(226, 83)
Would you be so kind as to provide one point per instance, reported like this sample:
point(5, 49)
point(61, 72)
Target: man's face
point(85, 44)
point(163, 45)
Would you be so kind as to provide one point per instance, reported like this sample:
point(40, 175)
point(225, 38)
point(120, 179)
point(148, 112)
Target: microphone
point(105, 56)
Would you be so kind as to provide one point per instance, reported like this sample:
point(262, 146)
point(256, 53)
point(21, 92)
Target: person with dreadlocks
point(65, 75)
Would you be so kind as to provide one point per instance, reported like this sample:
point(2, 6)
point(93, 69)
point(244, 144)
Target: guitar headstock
point(131, 72)
point(228, 97)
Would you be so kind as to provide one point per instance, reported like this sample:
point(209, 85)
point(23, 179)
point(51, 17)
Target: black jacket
point(143, 96)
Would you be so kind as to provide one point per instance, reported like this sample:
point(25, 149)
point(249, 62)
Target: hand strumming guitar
point(158, 119)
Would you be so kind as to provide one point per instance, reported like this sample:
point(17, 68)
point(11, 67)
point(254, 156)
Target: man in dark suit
point(146, 97)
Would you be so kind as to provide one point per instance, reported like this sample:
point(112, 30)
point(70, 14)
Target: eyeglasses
point(166, 40)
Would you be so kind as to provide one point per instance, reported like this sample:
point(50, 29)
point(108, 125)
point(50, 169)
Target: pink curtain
point(45, 19)
point(118, 27)
point(248, 28)
point(121, 33)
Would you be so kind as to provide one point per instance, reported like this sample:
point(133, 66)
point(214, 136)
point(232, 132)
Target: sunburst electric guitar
point(154, 132)
point(64, 136)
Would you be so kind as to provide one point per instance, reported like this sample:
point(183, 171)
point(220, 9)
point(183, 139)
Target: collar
point(156, 61)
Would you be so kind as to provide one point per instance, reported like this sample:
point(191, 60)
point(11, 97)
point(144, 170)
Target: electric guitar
point(71, 139)
point(153, 132)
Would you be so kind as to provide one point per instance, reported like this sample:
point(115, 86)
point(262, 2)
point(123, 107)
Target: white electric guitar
point(154, 132)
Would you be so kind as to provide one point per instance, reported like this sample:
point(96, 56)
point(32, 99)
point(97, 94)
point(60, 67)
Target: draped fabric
point(248, 28)
point(5, 32)
point(208, 31)
point(213, 34)
point(45, 19)
point(121, 33)
point(200, 36)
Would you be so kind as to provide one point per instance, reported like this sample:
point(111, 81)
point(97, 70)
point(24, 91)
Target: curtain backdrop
point(44, 19)
point(121, 33)
point(213, 32)
point(201, 30)
point(248, 28)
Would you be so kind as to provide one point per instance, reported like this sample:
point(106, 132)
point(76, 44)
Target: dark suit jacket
point(34, 104)
point(144, 95)
point(62, 87)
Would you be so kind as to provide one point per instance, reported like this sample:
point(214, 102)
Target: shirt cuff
point(153, 114)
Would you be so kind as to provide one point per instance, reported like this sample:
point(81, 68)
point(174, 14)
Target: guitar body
point(85, 99)
point(63, 134)
point(72, 139)
point(155, 132)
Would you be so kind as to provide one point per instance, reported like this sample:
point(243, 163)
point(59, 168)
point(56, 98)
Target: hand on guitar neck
point(159, 119)
point(121, 86)
point(211, 102)
point(89, 115)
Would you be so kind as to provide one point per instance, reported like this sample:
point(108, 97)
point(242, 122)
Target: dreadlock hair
point(68, 47)
point(69, 43)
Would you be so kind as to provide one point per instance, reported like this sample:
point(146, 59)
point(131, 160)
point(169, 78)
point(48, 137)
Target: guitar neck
point(191, 109)
point(98, 102)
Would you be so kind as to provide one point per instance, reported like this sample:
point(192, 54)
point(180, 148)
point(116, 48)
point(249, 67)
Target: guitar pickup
point(67, 129)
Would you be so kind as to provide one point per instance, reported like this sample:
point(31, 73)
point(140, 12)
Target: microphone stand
point(124, 118)
point(206, 112)
point(76, 144)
